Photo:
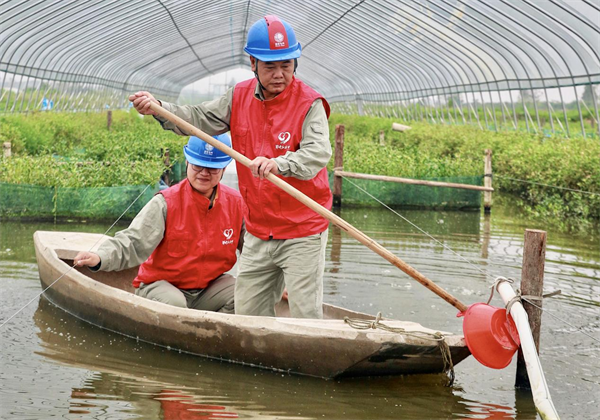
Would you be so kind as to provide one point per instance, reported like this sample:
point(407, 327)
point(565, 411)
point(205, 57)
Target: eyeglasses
point(211, 171)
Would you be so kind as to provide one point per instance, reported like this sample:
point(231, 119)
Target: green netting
point(416, 196)
point(31, 201)
point(178, 171)
point(25, 200)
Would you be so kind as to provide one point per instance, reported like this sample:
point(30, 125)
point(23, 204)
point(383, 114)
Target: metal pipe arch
point(547, 58)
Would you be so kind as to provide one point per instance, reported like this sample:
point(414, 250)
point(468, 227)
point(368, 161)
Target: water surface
point(55, 366)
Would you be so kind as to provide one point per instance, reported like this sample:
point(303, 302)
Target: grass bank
point(449, 150)
point(77, 150)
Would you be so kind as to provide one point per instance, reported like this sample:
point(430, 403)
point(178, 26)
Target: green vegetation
point(449, 150)
point(77, 149)
point(50, 172)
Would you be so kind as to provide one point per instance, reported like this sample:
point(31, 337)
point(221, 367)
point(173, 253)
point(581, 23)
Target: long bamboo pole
point(313, 205)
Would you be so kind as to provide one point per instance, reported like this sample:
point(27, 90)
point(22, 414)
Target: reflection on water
point(137, 378)
point(54, 365)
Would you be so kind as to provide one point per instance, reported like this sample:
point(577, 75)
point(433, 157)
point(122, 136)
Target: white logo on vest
point(228, 234)
point(283, 137)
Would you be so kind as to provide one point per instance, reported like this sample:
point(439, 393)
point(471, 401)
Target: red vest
point(199, 244)
point(272, 128)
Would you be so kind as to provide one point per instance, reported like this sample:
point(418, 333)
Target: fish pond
point(56, 366)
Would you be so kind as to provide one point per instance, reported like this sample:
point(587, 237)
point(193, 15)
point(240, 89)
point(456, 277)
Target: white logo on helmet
point(278, 37)
point(228, 234)
point(208, 150)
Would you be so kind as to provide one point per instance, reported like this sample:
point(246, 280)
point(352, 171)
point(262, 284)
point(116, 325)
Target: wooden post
point(382, 138)
point(108, 119)
point(167, 172)
point(532, 283)
point(338, 164)
point(6, 149)
point(487, 181)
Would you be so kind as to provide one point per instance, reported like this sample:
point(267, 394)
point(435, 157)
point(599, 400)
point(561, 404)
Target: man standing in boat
point(185, 238)
point(281, 125)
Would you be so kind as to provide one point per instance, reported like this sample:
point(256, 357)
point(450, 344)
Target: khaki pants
point(267, 267)
point(216, 297)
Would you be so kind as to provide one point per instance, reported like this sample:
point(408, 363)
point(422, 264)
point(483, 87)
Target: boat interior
point(124, 279)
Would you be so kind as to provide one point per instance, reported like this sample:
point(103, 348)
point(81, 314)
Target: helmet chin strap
point(256, 75)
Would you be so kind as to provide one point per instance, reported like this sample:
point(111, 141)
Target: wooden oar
point(313, 205)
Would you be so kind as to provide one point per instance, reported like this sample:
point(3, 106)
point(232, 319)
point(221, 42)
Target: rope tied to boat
point(438, 337)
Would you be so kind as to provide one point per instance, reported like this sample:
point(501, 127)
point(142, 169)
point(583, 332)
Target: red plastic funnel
point(491, 336)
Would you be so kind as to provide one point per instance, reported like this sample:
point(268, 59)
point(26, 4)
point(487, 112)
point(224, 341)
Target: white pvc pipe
point(539, 388)
point(400, 127)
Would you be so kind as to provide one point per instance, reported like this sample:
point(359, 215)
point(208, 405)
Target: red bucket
point(491, 336)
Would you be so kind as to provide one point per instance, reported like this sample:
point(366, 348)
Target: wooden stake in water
point(532, 284)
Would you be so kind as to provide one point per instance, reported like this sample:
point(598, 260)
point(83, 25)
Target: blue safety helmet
point(198, 152)
point(272, 39)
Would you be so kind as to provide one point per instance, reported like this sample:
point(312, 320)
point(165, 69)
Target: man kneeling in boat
point(185, 238)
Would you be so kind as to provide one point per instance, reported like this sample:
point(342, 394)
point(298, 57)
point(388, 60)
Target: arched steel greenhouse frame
point(498, 64)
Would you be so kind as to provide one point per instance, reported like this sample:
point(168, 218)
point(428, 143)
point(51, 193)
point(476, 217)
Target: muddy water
point(55, 366)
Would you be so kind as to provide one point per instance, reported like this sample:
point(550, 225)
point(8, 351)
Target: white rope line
point(528, 299)
point(577, 329)
point(74, 265)
point(421, 230)
point(549, 312)
point(546, 185)
point(36, 297)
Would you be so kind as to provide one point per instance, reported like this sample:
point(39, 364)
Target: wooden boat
point(328, 348)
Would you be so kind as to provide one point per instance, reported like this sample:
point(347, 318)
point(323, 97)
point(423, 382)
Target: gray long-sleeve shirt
point(132, 246)
point(214, 117)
